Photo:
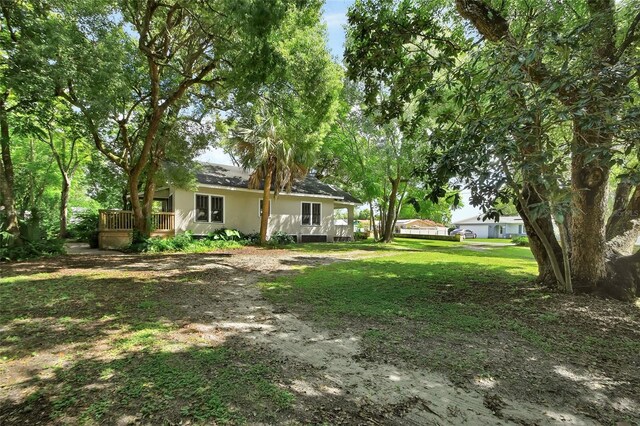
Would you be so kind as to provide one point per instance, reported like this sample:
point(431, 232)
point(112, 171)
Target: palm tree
point(275, 161)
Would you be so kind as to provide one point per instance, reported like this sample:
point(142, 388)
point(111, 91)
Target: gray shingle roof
point(477, 220)
point(237, 177)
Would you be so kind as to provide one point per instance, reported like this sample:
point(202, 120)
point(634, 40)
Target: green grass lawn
point(109, 340)
point(489, 240)
point(472, 313)
point(83, 347)
point(410, 284)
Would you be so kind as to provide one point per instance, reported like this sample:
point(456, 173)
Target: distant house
point(222, 199)
point(419, 226)
point(506, 227)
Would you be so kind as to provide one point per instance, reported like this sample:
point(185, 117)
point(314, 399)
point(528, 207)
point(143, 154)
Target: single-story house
point(506, 227)
point(420, 226)
point(222, 199)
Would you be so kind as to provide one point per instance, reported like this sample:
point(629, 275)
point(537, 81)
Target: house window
point(311, 213)
point(202, 208)
point(520, 229)
point(260, 207)
point(209, 208)
point(217, 209)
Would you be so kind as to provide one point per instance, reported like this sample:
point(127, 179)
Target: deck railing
point(123, 220)
point(163, 221)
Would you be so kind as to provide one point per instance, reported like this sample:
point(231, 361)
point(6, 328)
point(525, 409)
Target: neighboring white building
point(419, 226)
point(506, 227)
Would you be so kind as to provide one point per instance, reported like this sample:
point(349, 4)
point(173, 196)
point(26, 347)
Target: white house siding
point(482, 231)
point(241, 212)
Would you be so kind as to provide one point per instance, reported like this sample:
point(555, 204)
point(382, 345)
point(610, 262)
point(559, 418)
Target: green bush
point(85, 228)
point(280, 238)
point(520, 241)
point(224, 234)
point(185, 242)
point(35, 241)
point(361, 235)
point(251, 239)
point(32, 245)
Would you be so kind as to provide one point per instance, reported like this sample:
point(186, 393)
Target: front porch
point(343, 231)
point(115, 227)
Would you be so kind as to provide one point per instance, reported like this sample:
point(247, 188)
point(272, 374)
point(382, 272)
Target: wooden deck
point(116, 227)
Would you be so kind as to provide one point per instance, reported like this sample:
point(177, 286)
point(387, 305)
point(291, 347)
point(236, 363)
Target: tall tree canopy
point(135, 68)
point(527, 101)
point(277, 133)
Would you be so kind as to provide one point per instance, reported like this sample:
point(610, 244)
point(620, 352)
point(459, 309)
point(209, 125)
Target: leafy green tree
point(275, 162)
point(532, 101)
point(153, 56)
point(61, 133)
point(418, 205)
point(349, 154)
point(24, 25)
point(277, 134)
point(371, 158)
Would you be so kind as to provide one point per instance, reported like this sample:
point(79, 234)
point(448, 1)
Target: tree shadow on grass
point(484, 325)
point(81, 306)
point(94, 348)
point(212, 384)
point(466, 317)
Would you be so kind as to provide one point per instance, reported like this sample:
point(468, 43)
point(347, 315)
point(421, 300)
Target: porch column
point(350, 219)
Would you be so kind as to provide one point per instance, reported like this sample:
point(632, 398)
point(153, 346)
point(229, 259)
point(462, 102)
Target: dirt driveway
point(214, 297)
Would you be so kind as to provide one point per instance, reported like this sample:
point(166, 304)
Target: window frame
point(224, 208)
point(195, 208)
point(311, 215)
point(210, 209)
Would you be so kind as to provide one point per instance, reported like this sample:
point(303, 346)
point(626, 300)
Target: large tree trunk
point(372, 221)
point(588, 205)
point(266, 204)
point(594, 264)
point(11, 224)
point(546, 276)
point(142, 214)
point(64, 205)
point(147, 198)
point(140, 222)
point(387, 235)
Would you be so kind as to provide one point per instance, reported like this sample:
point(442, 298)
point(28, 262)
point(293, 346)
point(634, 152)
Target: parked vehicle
point(467, 233)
